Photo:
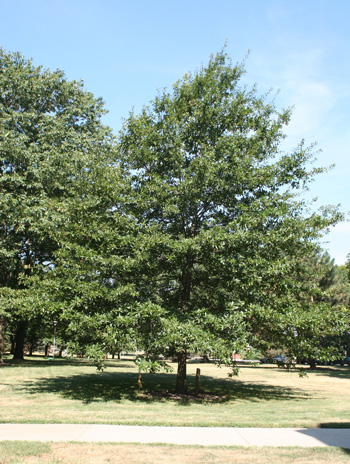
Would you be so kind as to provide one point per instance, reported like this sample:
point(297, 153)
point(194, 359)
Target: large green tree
point(223, 229)
point(49, 133)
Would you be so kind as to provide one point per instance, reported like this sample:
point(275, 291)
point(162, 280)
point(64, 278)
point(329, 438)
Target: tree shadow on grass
point(334, 425)
point(45, 362)
point(42, 361)
point(118, 386)
point(335, 372)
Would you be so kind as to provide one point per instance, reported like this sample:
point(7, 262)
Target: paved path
point(223, 436)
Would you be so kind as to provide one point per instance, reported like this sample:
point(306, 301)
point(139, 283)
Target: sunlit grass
point(73, 391)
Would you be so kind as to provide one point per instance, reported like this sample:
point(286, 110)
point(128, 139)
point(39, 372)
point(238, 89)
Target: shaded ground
point(115, 386)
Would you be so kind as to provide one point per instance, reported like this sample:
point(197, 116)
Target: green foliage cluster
point(50, 134)
point(184, 234)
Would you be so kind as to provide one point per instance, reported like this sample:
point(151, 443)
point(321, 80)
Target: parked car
point(279, 359)
point(342, 362)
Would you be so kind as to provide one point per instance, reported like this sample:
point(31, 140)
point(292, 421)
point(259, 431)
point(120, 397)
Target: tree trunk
point(312, 363)
point(20, 336)
point(46, 350)
point(13, 344)
point(186, 281)
point(3, 325)
point(198, 376)
point(181, 386)
point(32, 346)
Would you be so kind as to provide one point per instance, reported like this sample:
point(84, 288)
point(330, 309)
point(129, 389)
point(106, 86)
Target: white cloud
point(312, 101)
point(305, 85)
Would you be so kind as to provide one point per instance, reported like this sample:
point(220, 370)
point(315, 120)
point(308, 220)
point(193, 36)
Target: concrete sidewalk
point(208, 436)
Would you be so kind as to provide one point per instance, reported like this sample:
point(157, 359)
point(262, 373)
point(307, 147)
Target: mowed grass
point(87, 453)
point(73, 391)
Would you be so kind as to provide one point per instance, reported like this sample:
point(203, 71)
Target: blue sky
point(125, 51)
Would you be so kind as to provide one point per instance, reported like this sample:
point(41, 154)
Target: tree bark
point(181, 384)
point(3, 325)
point(13, 344)
point(186, 281)
point(20, 336)
point(198, 375)
point(312, 363)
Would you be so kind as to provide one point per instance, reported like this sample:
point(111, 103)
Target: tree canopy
point(224, 230)
point(50, 134)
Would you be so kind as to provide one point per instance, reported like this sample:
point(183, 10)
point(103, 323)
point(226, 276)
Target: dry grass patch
point(73, 453)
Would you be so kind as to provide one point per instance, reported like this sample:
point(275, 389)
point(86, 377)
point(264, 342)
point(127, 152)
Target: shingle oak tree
point(215, 197)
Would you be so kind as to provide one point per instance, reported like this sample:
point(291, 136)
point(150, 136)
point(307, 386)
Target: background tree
point(223, 230)
point(347, 265)
point(325, 289)
point(49, 129)
point(329, 284)
point(331, 280)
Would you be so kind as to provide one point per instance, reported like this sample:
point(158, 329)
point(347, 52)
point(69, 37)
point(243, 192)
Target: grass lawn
point(86, 453)
point(72, 391)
